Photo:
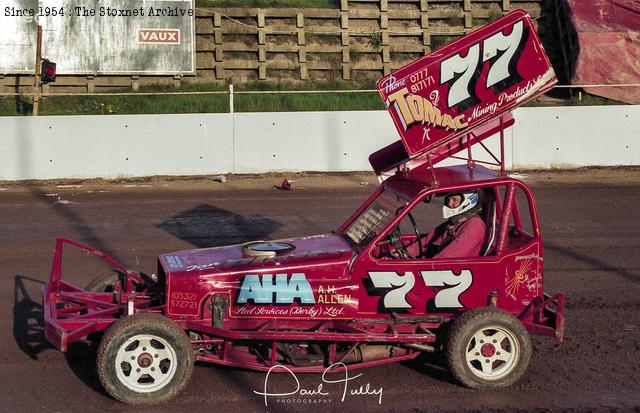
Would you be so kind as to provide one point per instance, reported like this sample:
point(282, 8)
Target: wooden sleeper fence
point(363, 39)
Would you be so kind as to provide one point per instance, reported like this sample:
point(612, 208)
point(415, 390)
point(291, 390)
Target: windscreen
point(375, 218)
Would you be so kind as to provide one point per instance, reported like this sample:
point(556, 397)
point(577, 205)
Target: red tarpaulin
point(609, 40)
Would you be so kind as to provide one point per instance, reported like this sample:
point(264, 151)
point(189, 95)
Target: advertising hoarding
point(149, 37)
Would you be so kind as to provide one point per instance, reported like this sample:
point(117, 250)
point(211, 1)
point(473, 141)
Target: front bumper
point(545, 316)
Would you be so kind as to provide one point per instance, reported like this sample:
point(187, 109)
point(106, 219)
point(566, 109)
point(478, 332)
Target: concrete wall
point(576, 136)
point(58, 147)
point(51, 147)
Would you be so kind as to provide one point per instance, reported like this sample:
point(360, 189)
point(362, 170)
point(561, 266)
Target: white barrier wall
point(310, 141)
point(569, 137)
point(51, 147)
point(56, 147)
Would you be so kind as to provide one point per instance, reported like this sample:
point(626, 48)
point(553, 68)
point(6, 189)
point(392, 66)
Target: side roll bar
point(56, 266)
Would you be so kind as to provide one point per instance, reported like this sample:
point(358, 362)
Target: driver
point(461, 235)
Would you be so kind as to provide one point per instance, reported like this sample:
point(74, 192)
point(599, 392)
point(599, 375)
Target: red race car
point(392, 283)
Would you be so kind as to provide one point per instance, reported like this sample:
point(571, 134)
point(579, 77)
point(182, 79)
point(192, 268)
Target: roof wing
point(395, 155)
point(475, 79)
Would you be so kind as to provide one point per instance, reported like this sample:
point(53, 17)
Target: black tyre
point(144, 358)
point(106, 283)
point(488, 348)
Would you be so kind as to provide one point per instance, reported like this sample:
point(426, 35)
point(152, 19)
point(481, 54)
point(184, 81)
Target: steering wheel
point(395, 237)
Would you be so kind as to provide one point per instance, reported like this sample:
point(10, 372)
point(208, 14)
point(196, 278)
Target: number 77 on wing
point(473, 79)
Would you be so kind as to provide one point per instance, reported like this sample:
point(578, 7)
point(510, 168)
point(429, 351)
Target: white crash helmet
point(469, 201)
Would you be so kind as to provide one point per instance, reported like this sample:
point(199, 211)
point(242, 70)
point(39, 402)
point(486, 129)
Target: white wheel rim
point(145, 363)
point(492, 353)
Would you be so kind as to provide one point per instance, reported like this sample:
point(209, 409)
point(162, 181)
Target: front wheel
point(488, 348)
point(144, 358)
point(105, 283)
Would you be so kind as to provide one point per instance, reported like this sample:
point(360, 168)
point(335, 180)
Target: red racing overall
point(460, 239)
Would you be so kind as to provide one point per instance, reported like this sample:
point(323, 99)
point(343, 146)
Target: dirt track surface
point(591, 231)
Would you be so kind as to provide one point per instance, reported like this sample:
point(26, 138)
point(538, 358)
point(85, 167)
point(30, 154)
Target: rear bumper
point(71, 315)
point(546, 316)
point(52, 331)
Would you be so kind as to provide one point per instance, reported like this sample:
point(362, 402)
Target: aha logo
point(285, 291)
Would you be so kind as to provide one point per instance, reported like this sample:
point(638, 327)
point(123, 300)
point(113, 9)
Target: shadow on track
point(81, 358)
point(209, 226)
point(238, 381)
point(28, 331)
point(87, 234)
point(433, 366)
point(28, 317)
point(596, 263)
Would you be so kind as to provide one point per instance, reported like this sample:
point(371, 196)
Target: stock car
point(365, 294)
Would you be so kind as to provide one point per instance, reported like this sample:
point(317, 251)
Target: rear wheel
point(144, 359)
point(488, 348)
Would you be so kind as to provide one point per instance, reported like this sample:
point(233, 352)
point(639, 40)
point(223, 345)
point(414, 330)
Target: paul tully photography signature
point(347, 389)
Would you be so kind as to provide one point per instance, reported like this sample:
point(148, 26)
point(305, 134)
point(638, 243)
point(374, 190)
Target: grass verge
point(107, 104)
point(334, 100)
